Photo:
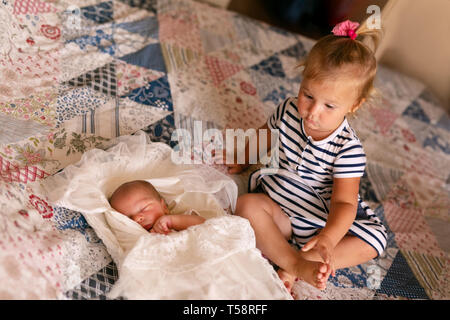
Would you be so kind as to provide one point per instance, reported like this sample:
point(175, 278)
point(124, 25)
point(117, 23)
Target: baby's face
point(141, 206)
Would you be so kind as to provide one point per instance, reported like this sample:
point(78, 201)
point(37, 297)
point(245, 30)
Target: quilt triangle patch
point(181, 30)
point(271, 66)
point(384, 119)
point(192, 124)
point(366, 189)
point(380, 213)
point(176, 57)
point(437, 142)
point(278, 94)
point(147, 27)
point(149, 5)
point(415, 111)
point(156, 94)
point(149, 57)
point(102, 79)
point(134, 116)
point(39, 108)
point(102, 39)
point(272, 40)
point(220, 69)
point(99, 13)
point(383, 178)
point(130, 77)
point(400, 280)
point(444, 122)
point(32, 7)
point(162, 130)
point(212, 41)
point(72, 102)
point(14, 129)
point(296, 51)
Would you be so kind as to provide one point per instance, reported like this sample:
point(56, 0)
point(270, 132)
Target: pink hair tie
point(346, 29)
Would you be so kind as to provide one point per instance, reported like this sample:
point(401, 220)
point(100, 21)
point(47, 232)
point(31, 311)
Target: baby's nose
point(138, 218)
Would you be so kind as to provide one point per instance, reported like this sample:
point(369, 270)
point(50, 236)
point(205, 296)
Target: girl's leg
point(350, 251)
point(288, 280)
point(272, 228)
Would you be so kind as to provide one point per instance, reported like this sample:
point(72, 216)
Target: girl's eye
point(329, 106)
point(308, 96)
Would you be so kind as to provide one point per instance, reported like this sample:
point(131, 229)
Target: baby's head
point(338, 77)
point(139, 201)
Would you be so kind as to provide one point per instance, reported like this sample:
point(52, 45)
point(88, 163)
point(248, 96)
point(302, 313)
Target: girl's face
point(324, 104)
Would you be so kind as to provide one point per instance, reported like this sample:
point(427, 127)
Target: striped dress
point(302, 183)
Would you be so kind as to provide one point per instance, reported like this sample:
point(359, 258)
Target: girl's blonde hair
point(334, 56)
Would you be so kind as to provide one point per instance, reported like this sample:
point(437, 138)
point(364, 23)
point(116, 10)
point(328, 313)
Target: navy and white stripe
point(303, 182)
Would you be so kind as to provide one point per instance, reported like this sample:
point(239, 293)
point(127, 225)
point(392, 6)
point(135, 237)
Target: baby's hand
point(162, 225)
point(325, 248)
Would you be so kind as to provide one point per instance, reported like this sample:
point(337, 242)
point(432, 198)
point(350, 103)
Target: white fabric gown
point(214, 260)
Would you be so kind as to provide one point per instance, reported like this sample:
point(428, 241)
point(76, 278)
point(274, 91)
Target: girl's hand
point(233, 168)
point(162, 225)
point(324, 246)
point(236, 168)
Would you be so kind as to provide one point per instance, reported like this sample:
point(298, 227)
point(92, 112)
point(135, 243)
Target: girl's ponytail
point(343, 54)
point(375, 35)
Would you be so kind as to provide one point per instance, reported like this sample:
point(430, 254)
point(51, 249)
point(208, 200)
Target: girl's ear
point(356, 106)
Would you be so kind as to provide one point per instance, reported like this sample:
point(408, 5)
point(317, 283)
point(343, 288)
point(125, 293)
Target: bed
point(78, 74)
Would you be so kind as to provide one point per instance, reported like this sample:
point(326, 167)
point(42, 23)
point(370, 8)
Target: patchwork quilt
point(77, 74)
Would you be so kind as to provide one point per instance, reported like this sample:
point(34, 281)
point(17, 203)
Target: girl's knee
point(378, 253)
point(369, 251)
point(372, 253)
point(253, 203)
point(246, 204)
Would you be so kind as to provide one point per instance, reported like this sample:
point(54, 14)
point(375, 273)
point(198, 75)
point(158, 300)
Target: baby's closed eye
point(146, 207)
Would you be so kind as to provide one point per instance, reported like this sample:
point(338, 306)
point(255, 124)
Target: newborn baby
point(140, 201)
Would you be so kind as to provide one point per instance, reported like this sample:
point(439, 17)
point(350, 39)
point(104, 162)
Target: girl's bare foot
point(314, 273)
point(288, 280)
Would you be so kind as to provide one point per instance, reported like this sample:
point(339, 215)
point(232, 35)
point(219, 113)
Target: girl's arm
point(343, 207)
point(239, 167)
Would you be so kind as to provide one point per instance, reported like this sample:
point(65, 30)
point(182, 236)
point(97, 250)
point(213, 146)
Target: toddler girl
point(312, 199)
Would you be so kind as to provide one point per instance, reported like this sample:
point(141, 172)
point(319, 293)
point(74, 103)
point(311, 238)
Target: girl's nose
point(314, 109)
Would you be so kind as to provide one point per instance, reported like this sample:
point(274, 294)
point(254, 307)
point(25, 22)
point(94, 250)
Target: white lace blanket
point(215, 260)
